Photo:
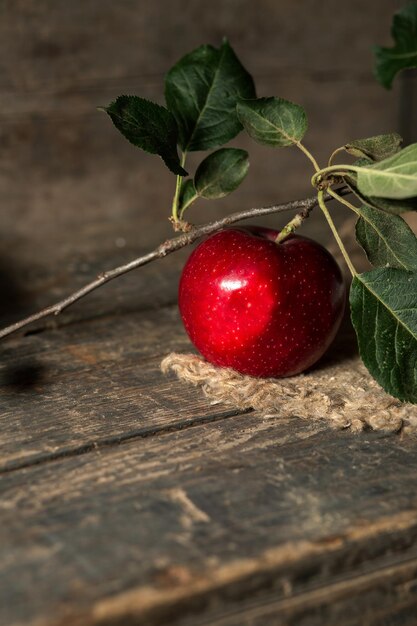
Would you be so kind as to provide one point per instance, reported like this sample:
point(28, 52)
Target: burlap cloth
point(338, 389)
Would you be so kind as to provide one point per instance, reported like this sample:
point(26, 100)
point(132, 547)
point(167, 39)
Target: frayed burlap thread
point(343, 393)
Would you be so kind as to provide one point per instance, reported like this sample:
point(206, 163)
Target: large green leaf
point(273, 121)
point(394, 178)
point(394, 206)
point(201, 90)
point(390, 61)
point(375, 148)
point(387, 239)
point(221, 172)
point(148, 126)
point(384, 314)
point(389, 206)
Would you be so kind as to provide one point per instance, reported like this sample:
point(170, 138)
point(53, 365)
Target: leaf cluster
point(201, 93)
point(384, 300)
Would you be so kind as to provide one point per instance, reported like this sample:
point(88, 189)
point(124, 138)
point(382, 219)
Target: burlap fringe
point(342, 393)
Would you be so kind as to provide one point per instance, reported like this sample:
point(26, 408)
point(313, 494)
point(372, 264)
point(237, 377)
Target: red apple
point(262, 308)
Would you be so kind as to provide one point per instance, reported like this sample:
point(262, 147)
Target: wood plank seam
point(143, 433)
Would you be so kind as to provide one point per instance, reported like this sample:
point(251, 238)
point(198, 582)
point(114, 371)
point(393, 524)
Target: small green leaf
point(273, 121)
point(188, 194)
point(221, 172)
point(387, 239)
point(375, 148)
point(394, 178)
point(390, 61)
point(384, 315)
point(201, 90)
point(148, 126)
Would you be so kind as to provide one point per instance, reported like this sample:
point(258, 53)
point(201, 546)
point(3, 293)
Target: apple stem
point(322, 205)
point(293, 224)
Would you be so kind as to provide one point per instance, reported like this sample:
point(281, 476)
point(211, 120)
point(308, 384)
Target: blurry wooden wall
point(68, 179)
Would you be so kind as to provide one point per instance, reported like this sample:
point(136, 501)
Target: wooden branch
point(171, 245)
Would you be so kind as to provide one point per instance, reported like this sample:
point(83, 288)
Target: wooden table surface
point(126, 498)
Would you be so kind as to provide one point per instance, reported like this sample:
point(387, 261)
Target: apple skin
point(261, 308)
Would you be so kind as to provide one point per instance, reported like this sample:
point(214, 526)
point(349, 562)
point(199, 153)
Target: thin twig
point(171, 245)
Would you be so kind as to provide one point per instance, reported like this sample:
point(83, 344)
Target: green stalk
point(339, 170)
point(298, 219)
point(175, 201)
point(334, 153)
point(343, 201)
point(322, 205)
point(308, 155)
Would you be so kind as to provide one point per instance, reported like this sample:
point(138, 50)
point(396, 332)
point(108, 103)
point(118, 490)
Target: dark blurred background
point(77, 197)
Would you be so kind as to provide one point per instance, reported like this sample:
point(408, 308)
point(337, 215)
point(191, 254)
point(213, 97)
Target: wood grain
point(194, 525)
point(91, 384)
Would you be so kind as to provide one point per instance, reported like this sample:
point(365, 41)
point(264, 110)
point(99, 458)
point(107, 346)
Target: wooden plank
point(87, 384)
point(209, 524)
point(56, 42)
point(93, 382)
point(83, 170)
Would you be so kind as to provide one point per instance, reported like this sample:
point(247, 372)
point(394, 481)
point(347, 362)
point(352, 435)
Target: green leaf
point(395, 177)
point(394, 206)
point(390, 61)
point(273, 121)
point(375, 148)
point(188, 194)
point(148, 126)
point(387, 239)
point(389, 206)
point(384, 314)
point(201, 90)
point(221, 172)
